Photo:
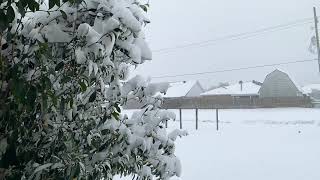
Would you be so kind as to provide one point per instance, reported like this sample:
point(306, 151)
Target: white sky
point(179, 22)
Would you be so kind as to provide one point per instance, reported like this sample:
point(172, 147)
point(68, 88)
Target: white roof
point(308, 88)
point(180, 89)
point(248, 88)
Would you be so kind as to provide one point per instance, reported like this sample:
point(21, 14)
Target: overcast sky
point(179, 22)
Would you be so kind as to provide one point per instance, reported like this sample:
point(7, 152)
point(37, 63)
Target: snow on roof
point(180, 89)
point(308, 88)
point(248, 88)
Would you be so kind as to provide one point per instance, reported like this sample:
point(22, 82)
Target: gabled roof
point(289, 76)
point(248, 89)
point(180, 89)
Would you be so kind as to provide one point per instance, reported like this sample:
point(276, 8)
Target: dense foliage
point(63, 83)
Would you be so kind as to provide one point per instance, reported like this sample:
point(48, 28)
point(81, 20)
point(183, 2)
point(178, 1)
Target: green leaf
point(21, 7)
point(57, 2)
point(62, 104)
point(45, 83)
point(9, 37)
point(115, 115)
point(59, 66)
point(31, 95)
point(93, 96)
point(117, 108)
point(3, 21)
point(83, 86)
point(64, 15)
point(54, 99)
point(43, 48)
point(4, 46)
point(24, 3)
point(33, 5)
point(19, 90)
point(51, 4)
point(65, 79)
point(75, 171)
point(10, 14)
point(144, 7)
point(117, 30)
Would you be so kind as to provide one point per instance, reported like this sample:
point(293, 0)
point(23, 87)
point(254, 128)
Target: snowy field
point(252, 144)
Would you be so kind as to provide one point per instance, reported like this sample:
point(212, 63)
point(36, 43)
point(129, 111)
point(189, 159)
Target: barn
point(279, 84)
point(280, 90)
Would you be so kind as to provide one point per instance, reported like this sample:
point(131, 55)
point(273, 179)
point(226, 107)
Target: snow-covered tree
point(63, 82)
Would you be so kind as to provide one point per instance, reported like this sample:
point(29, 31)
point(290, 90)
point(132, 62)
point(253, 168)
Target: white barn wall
point(279, 84)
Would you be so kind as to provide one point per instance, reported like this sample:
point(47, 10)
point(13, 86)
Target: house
point(241, 89)
point(313, 91)
point(184, 89)
point(174, 96)
point(182, 94)
point(238, 94)
point(279, 84)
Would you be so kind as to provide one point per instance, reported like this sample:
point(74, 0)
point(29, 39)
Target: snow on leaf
point(57, 165)
point(80, 56)
point(54, 34)
point(42, 167)
point(69, 114)
point(89, 139)
point(90, 67)
point(146, 53)
point(95, 68)
point(177, 133)
point(106, 41)
point(3, 146)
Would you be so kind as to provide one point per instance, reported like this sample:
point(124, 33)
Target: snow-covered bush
point(63, 82)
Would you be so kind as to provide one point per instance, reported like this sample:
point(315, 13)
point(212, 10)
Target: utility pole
point(317, 34)
point(217, 118)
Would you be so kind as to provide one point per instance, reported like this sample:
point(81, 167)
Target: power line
point(238, 36)
point(231, 39)
point(292, 24)
point(234, 69)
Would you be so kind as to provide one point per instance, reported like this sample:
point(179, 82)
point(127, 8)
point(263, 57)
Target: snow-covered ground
point(252, 144)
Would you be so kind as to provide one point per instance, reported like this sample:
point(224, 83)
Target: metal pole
point(317, 34)
point(197, 119)
point(180, 111)
point(217, 119)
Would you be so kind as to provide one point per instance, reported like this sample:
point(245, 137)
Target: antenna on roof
point(241, 82)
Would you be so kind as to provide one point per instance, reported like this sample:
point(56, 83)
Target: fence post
point(180, 112)
point(197, 119)
point(217, 119)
